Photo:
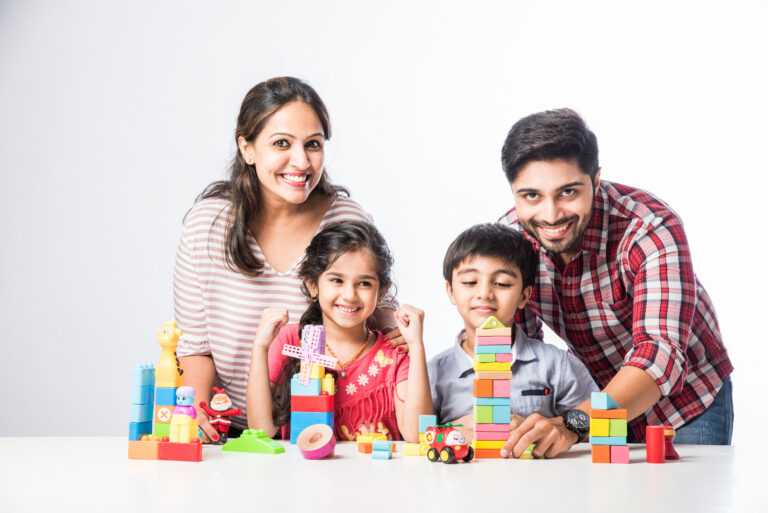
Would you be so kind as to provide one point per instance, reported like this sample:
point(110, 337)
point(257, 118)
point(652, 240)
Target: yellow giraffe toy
point(168, 373)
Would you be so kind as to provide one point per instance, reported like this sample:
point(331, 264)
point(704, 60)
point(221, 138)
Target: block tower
point(312, 390)
point(142, 400)
point(493, 370)
point(608, 430)
point(168, 377)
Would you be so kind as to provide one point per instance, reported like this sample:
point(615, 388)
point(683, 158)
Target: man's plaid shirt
point(630, 297)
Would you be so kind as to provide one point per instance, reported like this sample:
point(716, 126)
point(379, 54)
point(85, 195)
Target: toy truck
point(447, 444)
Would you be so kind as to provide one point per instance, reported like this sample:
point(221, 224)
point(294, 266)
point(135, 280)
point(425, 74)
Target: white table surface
point(94, 474)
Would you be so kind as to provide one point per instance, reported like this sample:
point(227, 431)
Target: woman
point(245, 237)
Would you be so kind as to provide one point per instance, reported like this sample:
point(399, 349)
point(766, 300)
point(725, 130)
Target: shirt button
point(572, 315)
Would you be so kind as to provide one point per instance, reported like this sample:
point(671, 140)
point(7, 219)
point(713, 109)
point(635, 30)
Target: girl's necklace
point(342, 365)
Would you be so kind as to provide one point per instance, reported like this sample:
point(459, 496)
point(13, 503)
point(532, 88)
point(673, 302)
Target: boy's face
point(483, 286)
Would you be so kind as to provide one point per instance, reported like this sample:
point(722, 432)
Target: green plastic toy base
point(255, 441)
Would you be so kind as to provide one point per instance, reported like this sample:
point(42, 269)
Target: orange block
point(608, 414)
point(489, 453)
point(365, 448)
point(142, 449)
point(601, 454)
point(482, 388)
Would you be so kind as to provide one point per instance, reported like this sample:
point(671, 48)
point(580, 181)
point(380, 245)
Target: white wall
point(114, 117)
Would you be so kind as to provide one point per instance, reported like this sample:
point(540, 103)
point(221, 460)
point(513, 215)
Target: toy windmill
point(312, 350)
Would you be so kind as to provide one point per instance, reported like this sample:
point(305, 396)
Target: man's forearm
point(633, 389)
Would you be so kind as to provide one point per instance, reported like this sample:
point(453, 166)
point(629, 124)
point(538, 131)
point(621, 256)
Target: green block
point(162, 429)
point(617, 427)
point(483, 414)
point(485, 358)
point(254, 441)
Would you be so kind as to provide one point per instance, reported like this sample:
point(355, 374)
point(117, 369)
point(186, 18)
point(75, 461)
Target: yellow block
point(328, 384)
point(367, 438)
point(599, 427)
point(317, 371)
point(422, 437)
point(488, 444)
point(497, 366)
point(423, 448)
point(411, 449)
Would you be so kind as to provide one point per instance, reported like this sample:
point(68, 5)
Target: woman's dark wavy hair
point(242, 187)
point(324, 249)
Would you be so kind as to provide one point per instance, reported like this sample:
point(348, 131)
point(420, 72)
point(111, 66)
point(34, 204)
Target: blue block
point(143, 375)
point(165, 396)
point(492, 401)
point(608, 440)
point(142, 412)
point(381, 455)
point(143, 395)
point(382, 445)
point(603, 401)
point(136, 429)
point(493, 349)
point(296, 430)
point(501, 414)
point(425, 421)
point(303, 419)
point(313, 388)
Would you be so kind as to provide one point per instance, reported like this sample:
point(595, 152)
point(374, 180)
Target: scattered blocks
point(381, 449)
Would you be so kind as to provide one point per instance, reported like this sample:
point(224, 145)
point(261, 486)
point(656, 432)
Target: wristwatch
point(578, 422)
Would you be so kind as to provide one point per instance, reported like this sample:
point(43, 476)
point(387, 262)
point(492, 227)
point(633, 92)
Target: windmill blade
point(324, 360)
point(295, 351)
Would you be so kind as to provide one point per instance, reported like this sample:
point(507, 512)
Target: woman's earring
point(314, 299)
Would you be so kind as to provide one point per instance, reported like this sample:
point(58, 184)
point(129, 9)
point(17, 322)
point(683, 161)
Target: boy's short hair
point(492, 240)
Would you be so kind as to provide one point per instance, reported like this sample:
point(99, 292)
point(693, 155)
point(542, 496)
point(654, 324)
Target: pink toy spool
point(654, 444)
point(316, 442)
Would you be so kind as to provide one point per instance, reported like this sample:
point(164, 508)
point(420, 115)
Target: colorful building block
point(502, 342)
point(143, 449)
point(381, 455)
point(501, 388)
point(619, 454)
point(654, 444)
point(254, 441)
point(493, 349)
point(317, 403)
point(599, 427)
point(505, 357)
point(619, 413)
point(491, 435)
point(192, 451)
point(494, 375)
point(490, 367)
point(489, 444)
point(137, 429)
point(485, 358)
point(314, 387)
point(492, 401)
point(484, 414)
point(141, 413)
point(483, 387)
point(426, 421)
point(492, 427)
point(162, 429)
point(617, 427)
point(162, 413)
point(411, 449)
point(165, 395)
point(603, 401)
point(501, 414)
point(601, 454)
point(329, 385)
point(488, 453)
point(492, 322)
point(608, 440)
point(142, 394)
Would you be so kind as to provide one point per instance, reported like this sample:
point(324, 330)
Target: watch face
point(578, 420)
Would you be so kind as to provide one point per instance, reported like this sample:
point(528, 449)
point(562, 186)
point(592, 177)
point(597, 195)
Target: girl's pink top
point(365, 398)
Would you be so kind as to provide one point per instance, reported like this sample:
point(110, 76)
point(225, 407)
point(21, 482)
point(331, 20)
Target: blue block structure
point(142, 412)
point(143, 375)
point(603, 401)
point(136, 429)
point(300, 420)
point(313, 388)
point(425, 421)
point(165, 396)
point(608, 440)
point(501, 414)
point(142, 395)
point(493, 401)
point(381, 449)
point(493, 349)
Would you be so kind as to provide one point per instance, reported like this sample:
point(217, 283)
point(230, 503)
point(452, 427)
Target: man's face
point(554, 201)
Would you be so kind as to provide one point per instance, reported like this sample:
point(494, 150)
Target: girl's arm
point(415, 389)
point(200, 373)
point(258, 396)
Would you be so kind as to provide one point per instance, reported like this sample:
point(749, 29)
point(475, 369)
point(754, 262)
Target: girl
point(345, 274)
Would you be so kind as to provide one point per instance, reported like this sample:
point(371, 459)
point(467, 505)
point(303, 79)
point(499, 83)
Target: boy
point(490, 270)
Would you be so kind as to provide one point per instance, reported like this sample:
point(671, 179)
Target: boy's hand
point(272, 319)
point(549, 434)
point(410, 321)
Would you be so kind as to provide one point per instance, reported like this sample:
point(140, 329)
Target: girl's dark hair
point(327, 246)
point(242, 186)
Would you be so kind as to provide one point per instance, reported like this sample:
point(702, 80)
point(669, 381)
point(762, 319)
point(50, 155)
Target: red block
point(654, 444)
point(192, 451)
point(316, 403)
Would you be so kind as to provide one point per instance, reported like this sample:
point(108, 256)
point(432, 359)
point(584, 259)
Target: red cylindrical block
point(654, 444)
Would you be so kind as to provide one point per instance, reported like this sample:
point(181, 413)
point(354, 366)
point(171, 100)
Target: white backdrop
point(114, 116)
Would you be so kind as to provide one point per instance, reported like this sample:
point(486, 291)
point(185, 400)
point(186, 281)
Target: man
point(616, 282)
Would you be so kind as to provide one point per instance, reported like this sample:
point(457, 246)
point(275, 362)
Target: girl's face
point(288, 153)
point(348, 290)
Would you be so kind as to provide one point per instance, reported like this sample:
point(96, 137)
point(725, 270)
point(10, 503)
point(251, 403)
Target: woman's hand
point(272, 319)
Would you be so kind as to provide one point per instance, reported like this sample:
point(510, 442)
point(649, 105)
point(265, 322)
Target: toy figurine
point(669, 450)
point(219, 413)
point(184, 417)
point(447, 444)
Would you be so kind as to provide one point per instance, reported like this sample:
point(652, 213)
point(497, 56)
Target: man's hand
point(549, 434)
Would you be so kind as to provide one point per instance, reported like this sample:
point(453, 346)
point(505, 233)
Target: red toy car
point(448, 444)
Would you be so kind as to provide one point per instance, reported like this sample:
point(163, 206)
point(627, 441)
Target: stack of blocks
point(608, 430)
point(382, 449)
point(311, 402)
point(365, 441)
point(142, 400)
point(425, 421)
point(493, 370)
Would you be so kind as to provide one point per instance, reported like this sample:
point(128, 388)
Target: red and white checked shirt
point(630, 297)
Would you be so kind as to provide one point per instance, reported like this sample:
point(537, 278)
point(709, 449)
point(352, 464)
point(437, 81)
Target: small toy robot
point(220, 411)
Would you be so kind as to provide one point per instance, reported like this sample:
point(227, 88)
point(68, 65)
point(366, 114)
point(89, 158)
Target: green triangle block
point(254, 441)
point(492, 322)
point(528, 454)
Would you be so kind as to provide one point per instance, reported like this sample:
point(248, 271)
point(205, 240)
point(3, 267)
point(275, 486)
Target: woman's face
point(288, 153)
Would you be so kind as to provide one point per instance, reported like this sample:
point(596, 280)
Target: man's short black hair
point(492, 240)
point(550, 135)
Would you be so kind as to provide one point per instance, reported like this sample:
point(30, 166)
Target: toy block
point(492, 322)
point(143, 375)
point(141, 413)
point(494, 375)
point(492, 401)
point(173, 451)
point(501, 414)
point(492, 427)
point(485, 358)
point(619, 413)
point(316, 403)
point(165, 396)
point(484, 414)
point(528, 454)
point(619, 454)
point(505, 357)
point(497, 366)
point(493, 349)
point(364, 447)
point(599, 427)
point(317, 442)
point(329, 384)
point(488, 453)
point(618, 427)
point(482, 387)
point(502, 342)
point(369, 438)
point(142, 395)
point(501, 388)
point(162, 413)
point(603, 401)
point(488, 444)
point(601, 454)
point(317, 371)
point(426, 421)
point(411, 449)
point(654, 444)
point(422, 437)
point(304, 419)
point(492, 332)
point(143, 449)
point(168, 371)
point(136, 429)
point(254, 441)
point(382, 445)
point(162, 429)
point(314, 387)
point(381, 455)
point(491, 435)
point(608, 440)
